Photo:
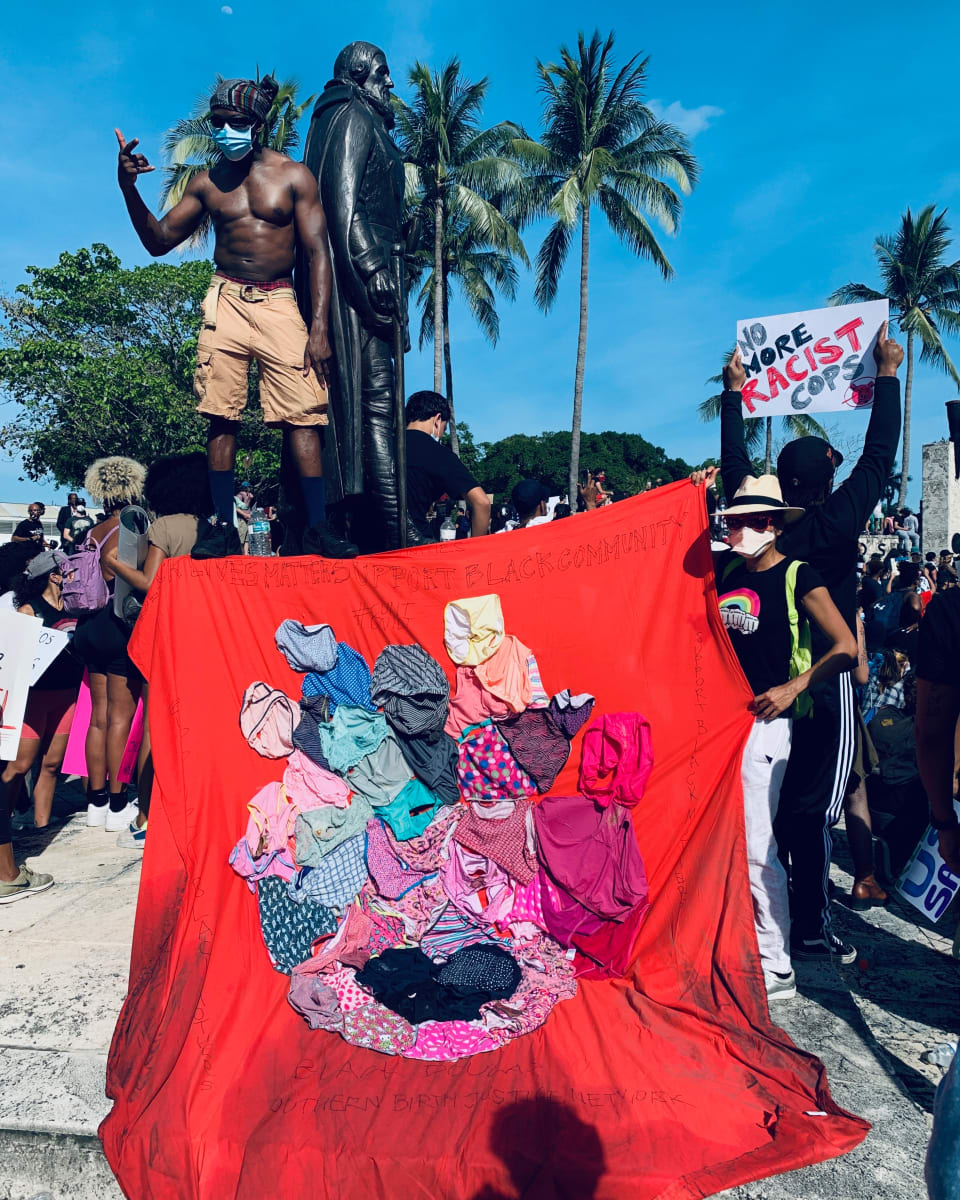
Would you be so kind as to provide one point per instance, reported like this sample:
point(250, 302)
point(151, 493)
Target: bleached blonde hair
point(114, 479)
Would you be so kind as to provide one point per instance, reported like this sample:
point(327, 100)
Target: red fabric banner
point(670, 1083)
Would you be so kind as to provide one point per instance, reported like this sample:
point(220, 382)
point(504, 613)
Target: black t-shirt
point(29, 529)
point(433, 471)
point(870, 593)
point(65, 671)
point(938, 651)
point(753, 605)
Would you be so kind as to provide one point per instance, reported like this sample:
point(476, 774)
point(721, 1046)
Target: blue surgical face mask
point(233, 143)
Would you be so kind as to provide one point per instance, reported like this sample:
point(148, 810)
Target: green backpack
point(801, 652)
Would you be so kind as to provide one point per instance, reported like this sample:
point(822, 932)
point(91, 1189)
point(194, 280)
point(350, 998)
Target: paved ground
point(63, 973)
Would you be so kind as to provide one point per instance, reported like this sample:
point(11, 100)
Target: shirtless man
point(261, 204)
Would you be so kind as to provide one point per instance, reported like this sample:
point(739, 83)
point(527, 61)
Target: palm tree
point(453, 169)
point(924, 296)
point(600, 145)
point(189, 148)
point(478, 270)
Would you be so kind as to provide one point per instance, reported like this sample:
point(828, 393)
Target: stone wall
point(941, 497)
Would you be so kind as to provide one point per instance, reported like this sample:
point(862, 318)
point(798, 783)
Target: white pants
point(764, 766)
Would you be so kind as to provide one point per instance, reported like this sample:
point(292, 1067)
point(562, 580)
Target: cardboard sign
point(18, 647)
point(816, 361)
point(49, 644)
point(926, 881)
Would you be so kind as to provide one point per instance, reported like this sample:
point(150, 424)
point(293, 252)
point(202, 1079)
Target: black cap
point(528, 494)
point(807, 462)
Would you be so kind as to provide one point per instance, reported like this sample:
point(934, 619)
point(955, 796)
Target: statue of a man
point(360, 177)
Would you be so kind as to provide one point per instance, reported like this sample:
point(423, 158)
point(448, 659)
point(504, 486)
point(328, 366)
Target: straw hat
point(762, 495)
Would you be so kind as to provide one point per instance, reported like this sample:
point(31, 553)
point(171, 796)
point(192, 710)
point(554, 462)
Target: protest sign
point(926, 881)
point(810, 362)
point(49, 644)
point(18, 646)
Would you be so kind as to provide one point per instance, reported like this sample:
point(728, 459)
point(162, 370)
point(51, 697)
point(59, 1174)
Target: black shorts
point(101, 644)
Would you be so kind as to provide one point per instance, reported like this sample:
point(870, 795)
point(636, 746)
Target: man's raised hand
point(887, 353)
point(130, 165)
point(734, 376)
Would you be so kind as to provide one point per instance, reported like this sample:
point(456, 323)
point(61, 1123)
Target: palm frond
point(550, 262)
point(631, 227)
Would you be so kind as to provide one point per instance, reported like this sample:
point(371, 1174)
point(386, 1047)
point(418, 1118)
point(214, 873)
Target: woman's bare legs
point(46, 783)
point(122, 697)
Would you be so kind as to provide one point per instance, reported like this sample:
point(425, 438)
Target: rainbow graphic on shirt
point(740, 610)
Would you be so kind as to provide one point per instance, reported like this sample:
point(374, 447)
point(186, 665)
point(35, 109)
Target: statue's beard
point(382, 107)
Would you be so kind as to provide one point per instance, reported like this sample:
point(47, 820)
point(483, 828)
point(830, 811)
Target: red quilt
point(671, 1083)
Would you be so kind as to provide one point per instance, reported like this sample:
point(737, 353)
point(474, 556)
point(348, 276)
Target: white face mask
point(750, 543)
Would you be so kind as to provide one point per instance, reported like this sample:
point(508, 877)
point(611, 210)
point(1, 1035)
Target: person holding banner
point(53, 698)
point(826, 537)
point(769, 604)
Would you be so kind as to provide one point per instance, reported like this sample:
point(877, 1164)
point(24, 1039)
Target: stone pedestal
point(941, 497)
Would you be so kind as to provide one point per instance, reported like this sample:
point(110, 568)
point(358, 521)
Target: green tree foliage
point(454, 168)
point(924, 295)
point(189, 148)
point(631, 462)
point(99, 359)
point(471, 454)
point(601, 147)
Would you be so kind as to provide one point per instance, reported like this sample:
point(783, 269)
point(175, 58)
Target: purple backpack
point(84, 588)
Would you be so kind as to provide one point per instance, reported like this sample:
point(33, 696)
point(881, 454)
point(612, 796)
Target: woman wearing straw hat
point(767, 601)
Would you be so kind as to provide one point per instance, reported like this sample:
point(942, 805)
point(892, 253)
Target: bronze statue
point(360, 178)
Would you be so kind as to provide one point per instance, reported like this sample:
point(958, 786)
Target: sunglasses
point(755, 521)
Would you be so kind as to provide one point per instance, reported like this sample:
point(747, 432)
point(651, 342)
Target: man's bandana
point(243, 95)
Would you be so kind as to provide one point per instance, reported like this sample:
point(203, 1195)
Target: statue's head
point(365, 65)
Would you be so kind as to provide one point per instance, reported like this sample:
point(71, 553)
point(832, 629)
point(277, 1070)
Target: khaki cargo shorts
point(242, 322)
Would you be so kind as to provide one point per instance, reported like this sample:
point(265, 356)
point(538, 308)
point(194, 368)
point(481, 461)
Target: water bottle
point(258, 536)
point(448, 530)
point(941, 1055)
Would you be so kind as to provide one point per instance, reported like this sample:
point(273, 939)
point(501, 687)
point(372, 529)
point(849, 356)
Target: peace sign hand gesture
point(130, 165)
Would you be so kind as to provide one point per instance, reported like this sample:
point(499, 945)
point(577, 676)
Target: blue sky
point(815, 127)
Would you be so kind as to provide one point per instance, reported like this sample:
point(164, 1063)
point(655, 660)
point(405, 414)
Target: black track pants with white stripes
point(811, 801)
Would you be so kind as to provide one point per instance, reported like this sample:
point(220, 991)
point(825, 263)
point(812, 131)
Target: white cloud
point(227, 10)
point(690, 121)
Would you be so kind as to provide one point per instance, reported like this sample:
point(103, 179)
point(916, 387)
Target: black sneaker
point(826, 948)
point(320, 539)
point(218, 540)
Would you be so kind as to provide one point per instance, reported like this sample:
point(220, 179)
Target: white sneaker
point(115, 821)
point(96, 815)
point(780, 987)
point(133, 837)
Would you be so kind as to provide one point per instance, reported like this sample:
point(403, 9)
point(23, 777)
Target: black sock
point(314, 489)
point(118, 801)
point(221, 493)
point(97, 797)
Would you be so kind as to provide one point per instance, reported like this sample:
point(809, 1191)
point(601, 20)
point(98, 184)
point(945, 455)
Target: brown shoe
point(867, 893)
